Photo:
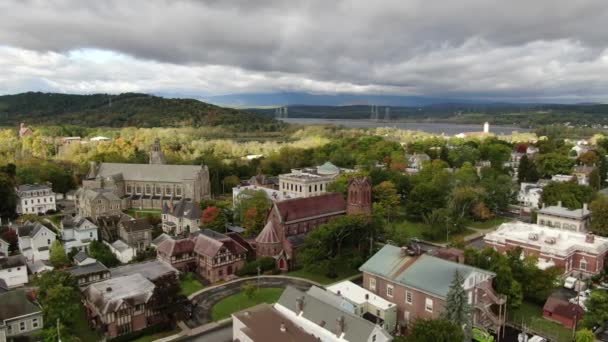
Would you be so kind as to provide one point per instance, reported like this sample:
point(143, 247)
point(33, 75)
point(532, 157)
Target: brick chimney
point(339, 326)
point(299, 304)
point(589, 238)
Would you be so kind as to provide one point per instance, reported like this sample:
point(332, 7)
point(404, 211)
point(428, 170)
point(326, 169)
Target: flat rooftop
point(549, 240)
point(356, 294)
point(556, 210)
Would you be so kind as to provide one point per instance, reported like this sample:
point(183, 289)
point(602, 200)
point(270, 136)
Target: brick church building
point(289, 221)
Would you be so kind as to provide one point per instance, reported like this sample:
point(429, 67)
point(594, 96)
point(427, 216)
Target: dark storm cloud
point(552, 48)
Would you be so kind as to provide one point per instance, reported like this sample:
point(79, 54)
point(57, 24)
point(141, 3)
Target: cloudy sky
point(519, 50)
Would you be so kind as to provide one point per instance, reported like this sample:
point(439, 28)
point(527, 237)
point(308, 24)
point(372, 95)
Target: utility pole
point(259, 271)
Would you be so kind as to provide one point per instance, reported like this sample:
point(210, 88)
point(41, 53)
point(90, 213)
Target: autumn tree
point(214, 218)
point(10, 235)
point(251, 210)
point(589, 158)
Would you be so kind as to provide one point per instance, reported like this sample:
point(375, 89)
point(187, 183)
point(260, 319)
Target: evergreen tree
point(457, 309)
point(58, 257)
point(526, 172)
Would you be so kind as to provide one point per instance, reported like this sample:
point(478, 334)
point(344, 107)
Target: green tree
point(103, 254)
point(460, 155)
point(526, 171)
point(597, 309)
point(553, 163)
point(435, 330)
point(423, 199)
point(58, 257)
point(249, 289)
point(8, 196)
point(571, 194)
point(60, 298)
point(385, 194)
point(584, 335)
point(599, 216)
point(595, 181)
point(466, 175)
point(251, 210)
point(498, 189)
point(457, 308)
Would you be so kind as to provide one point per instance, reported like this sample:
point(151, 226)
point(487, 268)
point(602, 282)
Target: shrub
point(251, 268)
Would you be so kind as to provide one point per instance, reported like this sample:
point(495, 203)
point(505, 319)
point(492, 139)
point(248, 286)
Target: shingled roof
point(209, 242)
point(172, 247)
point(107, 296)
point(14, 304)
point(136, 225)
point(148, 172)
point(183, 209)
point(304, 208)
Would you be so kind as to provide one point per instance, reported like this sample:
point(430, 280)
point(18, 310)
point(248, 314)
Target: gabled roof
point(80, 256)
point(172, 247)
point(77, 222)
point(15, 303)
point(150, 270)
point(136, 225)
point(183, 209)
point(12, 261)
point(425, 273)
point(95, 267)
point(31, 229)
point(563, 308)
point(162, 237)
point(107, 296)
point(149, 172)
point(32, 187)
point(309, 207)
point(325, 315)
point(209, 242)
point(268, 234)
point(93, 194)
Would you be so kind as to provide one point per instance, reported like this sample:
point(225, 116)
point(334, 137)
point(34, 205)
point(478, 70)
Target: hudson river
point(438, 128)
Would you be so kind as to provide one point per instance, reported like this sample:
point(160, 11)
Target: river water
point(437, 128)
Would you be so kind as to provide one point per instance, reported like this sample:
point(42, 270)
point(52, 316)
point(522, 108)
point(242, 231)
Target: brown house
point(178, 253)
point(289, 221)
point(418, 285)
point(120, 305)
point(217, 255)
point(560, 310)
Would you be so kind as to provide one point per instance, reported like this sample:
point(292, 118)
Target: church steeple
point(156, 153)
point(359, 198)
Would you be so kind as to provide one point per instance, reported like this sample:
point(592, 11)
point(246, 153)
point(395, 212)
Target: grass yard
point(343, 273)
point(531, 315)
point(405, 230)
point(229, 305)
point(490, 223)
point(190, 284)
point(82, 330)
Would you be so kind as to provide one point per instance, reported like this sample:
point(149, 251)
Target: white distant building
point(575, 253)
point(529, 195)
point(77, 233)
point(556, 216)
point(562, 178)
point(271, 194)
point(367, 304)
point(309, 182)
point(35, 199)
point(100, 139)
point(13, 272)
point(35, 241)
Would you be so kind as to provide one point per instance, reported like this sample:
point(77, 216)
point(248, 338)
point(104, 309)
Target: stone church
point(148, 186)
point(289, 221)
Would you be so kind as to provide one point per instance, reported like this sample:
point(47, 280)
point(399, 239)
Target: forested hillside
point(130, 109)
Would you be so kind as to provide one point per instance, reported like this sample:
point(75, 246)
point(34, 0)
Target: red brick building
point(562, 311)
point(418, 285)
point(289, 221)
point(574, 252)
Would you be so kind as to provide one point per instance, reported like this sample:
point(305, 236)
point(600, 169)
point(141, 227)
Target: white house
point(13, 272)
point(529, 195)
point(4, 246)
point(180, 217)
point(309, 182)
point(35, 241)
point(122, 251)
point(559, 217)
point(77, 233)
point(366, 303)
point(35, 199)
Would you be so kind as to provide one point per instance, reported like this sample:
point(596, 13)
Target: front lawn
point(229, 305)
point(493, 223)
point(343, 273)
point(190, 284)
point(531, 315)
point(402, 231)
point(82, 330)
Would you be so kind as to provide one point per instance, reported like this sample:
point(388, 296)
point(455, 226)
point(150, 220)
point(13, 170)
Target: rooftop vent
point(550, 240)
point(533, 236)
point(108, 289)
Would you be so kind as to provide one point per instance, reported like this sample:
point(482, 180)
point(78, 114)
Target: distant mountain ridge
point(129, 109)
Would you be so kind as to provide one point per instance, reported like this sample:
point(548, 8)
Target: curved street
point(204, 300)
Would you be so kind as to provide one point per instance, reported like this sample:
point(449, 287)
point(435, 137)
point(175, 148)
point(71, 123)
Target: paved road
point(206, 300)
point(220, 335)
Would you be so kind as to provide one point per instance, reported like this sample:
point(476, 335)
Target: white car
point(537, 338)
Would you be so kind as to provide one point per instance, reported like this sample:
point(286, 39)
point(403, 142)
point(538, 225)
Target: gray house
point(181, 217)
point(18, 315)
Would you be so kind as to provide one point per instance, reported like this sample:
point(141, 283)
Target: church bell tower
point(359, 199)
point(156, 153)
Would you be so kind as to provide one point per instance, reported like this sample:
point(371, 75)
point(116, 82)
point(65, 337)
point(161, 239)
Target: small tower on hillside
point(486, 127)
point(359, 198)
point(156, 153)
